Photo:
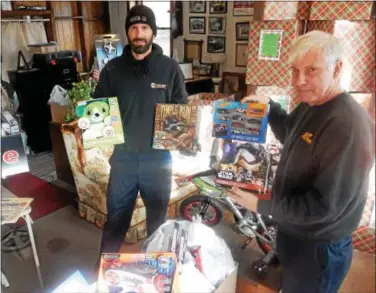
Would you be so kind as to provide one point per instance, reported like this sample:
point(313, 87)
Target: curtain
point(15, 37)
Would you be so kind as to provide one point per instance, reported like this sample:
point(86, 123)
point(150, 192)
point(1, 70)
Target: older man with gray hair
point(321, 183)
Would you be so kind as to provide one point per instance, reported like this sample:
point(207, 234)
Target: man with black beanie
point(140, 78)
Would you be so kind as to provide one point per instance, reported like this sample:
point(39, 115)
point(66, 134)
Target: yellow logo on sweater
point(307, 137)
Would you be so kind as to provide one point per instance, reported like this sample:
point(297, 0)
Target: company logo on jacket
point(154, 85)
point(307, 137)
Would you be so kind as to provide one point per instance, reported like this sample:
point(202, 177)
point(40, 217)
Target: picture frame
point(197, 6)
point(187, 69)
point(197, 25)
point(243, 8)
point(216, 44)
point(241, 55)
point(217, 7)
point(233, 82)
point(192, 50)
point(217, 25)
point(242, 31)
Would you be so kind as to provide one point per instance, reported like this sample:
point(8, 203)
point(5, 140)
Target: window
point(163, 18)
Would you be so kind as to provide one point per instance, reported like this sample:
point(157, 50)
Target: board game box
point(100, 121)
point(243, 122)
point(176, 127)
point(137, 273)
point(107, 47)
point(245, 165)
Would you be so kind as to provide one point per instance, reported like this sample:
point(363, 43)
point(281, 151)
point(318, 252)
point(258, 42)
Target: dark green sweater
point(320, 187)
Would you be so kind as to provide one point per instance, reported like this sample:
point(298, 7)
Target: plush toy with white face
point(96, 120)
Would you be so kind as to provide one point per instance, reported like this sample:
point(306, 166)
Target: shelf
point(18, 13)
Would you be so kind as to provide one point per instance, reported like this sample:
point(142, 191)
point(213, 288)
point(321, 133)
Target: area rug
point(47, 197)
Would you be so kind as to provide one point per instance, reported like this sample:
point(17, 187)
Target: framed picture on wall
point(217, 25)
point(217, 7)
point(243, 8)
point(196, 25)
point(197, 6)
point(241, 55)
point(216, 44)
point(242, 31)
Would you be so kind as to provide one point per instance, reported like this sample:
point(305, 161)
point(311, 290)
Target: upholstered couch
point(91, 170)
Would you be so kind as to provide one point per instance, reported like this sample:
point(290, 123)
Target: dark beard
point(141, 49)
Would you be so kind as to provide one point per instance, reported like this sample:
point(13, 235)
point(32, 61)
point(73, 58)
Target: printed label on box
point(100, 122)
point(150, 272)
point(176, 127)
point(244, 122)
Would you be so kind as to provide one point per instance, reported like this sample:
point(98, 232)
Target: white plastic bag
point(59, 96)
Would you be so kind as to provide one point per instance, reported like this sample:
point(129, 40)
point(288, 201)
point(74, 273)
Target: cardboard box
point(245, 165)
point(107, 47)
point(244, 122)
point(100, 121)
point(142, 272)
point(176, 127)
point(58, 113)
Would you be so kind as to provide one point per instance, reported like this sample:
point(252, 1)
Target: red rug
point(47, 197)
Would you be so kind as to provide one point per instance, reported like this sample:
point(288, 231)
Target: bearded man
point(140, 78)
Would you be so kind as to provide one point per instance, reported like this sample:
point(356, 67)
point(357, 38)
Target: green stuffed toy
point(95, 119)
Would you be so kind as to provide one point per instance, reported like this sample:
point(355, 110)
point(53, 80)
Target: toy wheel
point(260, 268)
point(193, 206)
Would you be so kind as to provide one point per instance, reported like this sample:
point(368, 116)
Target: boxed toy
point(137, 273)
point(244, 122)
point(107, 47)
point(245, 165)
point(100, 121)
point(176, 127)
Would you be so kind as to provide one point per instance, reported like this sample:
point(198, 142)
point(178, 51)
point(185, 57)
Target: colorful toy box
point(245, 165)
point(243, 122)
point(100, 122)
point(176, 127)
point(107, 47)
point(137, 273)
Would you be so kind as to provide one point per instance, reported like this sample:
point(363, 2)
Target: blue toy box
point(107, 47)
point(243, 122)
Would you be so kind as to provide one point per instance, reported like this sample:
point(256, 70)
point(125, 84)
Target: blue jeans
point(313, 267)
point(150, 173)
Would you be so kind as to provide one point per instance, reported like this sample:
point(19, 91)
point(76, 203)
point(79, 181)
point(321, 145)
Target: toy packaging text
point(137, 273)
point(176, 127)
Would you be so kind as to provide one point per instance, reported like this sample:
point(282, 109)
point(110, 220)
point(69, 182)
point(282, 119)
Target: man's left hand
point(246, 199)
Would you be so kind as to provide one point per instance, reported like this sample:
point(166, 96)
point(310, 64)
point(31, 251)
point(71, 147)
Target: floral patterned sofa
point(91, 170)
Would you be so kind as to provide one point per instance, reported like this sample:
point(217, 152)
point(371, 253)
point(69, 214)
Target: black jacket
point(139, 86)
point(320, 188)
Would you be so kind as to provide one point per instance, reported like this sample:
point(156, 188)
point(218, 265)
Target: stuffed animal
point(96, 121)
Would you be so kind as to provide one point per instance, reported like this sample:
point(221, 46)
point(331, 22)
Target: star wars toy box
point(245, 165)
point(243, 122)
point(137, 273)
point(107, 47)
point(176, 127)
point(100, 122)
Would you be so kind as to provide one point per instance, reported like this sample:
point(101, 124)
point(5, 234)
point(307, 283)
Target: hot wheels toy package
point(246, 165)
point(176, 127)
point(137, 273)
point(100, 121)
point(244, 122)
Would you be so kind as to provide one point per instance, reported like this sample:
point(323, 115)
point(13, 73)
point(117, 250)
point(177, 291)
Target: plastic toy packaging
point(245, 165)
point(137, 273)
point(107, 47)
point(100, 122)
point(243, 122)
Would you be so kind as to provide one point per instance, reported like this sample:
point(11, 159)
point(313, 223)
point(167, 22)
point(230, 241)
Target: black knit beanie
point(141, 14)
